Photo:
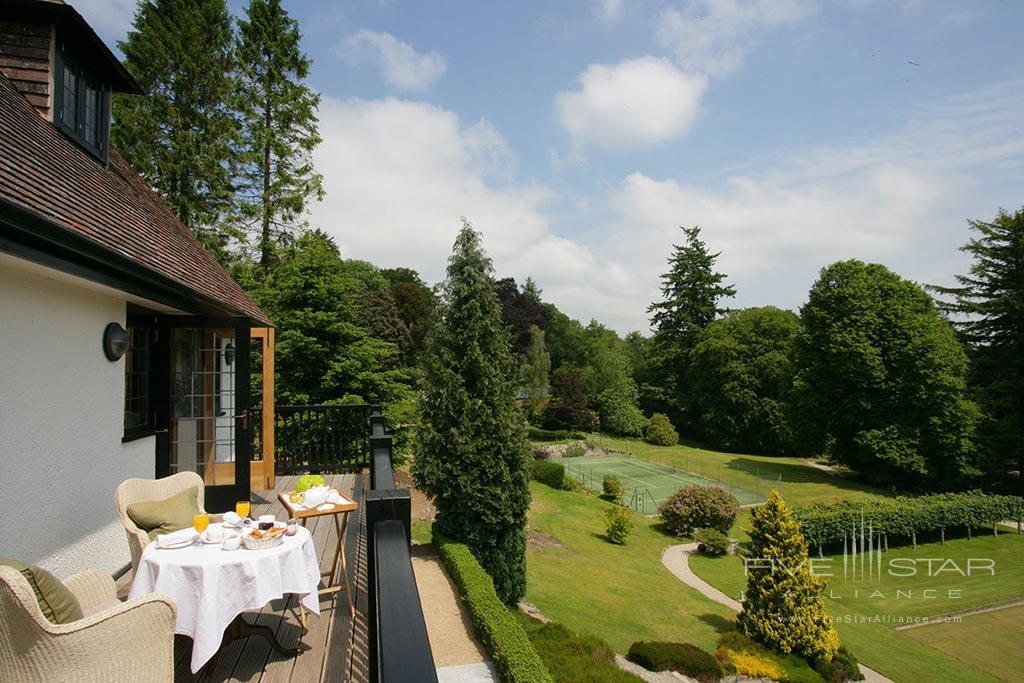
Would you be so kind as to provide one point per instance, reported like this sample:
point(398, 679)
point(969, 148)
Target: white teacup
point(232, 541)
point(214, 533)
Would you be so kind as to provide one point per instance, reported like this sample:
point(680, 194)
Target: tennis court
point(647, 483)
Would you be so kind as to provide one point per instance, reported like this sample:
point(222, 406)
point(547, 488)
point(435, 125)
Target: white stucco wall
point(61, 423)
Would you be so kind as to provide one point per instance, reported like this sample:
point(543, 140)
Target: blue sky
point(578, 136)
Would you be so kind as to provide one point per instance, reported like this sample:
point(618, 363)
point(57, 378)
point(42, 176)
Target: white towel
point(232, 519)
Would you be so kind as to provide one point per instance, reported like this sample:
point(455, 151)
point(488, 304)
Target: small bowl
point(231, 542)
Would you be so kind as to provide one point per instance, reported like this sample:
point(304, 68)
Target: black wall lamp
point(115, 341)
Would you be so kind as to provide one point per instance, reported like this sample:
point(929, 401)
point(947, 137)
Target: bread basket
point(261, 543)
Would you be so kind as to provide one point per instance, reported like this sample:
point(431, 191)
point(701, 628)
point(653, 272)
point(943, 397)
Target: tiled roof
point(45, 173)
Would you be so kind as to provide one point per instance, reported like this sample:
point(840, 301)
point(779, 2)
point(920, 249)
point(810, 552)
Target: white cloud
point(399, 175)
point(636, 103)
point(711, 36)
point(401, 65)
point(607, 11)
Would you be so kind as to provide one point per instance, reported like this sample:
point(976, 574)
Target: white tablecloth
point(211, 586)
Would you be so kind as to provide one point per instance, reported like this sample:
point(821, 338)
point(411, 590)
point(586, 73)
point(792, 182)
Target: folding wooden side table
point(336, 510)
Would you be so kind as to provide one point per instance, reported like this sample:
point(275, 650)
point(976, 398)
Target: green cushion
point(164, 516)
point(57, 603)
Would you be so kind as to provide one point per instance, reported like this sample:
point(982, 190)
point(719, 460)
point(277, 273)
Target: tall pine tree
point(473, 453)
point(988, 312)
point(279, 127)
point(691, 293)
point(181, 137)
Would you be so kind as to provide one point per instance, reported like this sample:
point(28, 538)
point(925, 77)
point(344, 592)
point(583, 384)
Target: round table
point(212, 586)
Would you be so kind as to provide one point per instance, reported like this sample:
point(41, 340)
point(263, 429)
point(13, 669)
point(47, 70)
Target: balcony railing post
point(397, 634)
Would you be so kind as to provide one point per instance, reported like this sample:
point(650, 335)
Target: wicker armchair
point(115, 641)
point(141, 490)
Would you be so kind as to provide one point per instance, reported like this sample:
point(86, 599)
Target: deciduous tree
point(741, 379)
point(881, 380)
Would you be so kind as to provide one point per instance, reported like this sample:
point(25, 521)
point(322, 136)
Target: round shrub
point(612, 488)
point(842, 667)
point(618, 523)
point(694, 507)
point(660, 431)
point(685, 658)
point(711, 542)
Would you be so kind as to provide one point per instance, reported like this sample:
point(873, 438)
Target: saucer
point(209, 541)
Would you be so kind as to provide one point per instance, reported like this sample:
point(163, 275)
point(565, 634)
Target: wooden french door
point(206, 366)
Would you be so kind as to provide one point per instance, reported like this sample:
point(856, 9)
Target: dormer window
point(81, 101)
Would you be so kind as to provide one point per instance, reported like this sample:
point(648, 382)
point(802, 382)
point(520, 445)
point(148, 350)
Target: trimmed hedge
point(825, 523)
point(682, 657)
point(550, 473)
point(501, 633)
point(538, 434)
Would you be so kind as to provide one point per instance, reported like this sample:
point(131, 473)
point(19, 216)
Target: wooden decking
point(334, 648)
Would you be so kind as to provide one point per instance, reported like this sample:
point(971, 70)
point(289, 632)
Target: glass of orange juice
point(242, 508)
point(200, 522)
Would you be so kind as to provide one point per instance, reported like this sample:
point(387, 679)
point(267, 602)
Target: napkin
point(232, 519)
point(173, 537)
point(335, 497)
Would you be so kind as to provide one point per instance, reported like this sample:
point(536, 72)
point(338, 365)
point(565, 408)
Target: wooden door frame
point(218, 498)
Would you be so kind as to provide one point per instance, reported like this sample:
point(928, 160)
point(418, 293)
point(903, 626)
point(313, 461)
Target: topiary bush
point(550, 473)
point(618, 524)
point(694, 507)
point(612, 489)
point(682, 657)
point(511, 650)
point(711, 542)
point(660, 431)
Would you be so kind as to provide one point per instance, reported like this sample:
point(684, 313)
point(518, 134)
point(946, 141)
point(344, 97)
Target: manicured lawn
point(989, 634)
point(899, 654)
point(620, 594)
point(800, 484)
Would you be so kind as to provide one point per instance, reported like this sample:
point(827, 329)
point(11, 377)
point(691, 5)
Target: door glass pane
point(203, 404)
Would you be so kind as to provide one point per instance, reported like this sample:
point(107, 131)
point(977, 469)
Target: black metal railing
point(320, 438)
point(397, 634)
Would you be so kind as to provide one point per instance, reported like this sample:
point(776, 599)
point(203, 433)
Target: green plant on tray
point(308, 481)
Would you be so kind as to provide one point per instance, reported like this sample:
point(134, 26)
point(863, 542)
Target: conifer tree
point(988, 311)
point(473, 453)
point(691, 293)
point(181, 136)
point(279, 127)
point(782, 606)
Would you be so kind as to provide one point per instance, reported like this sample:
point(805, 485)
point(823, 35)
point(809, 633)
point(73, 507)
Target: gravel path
point(448, 624)
point(676, 559)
